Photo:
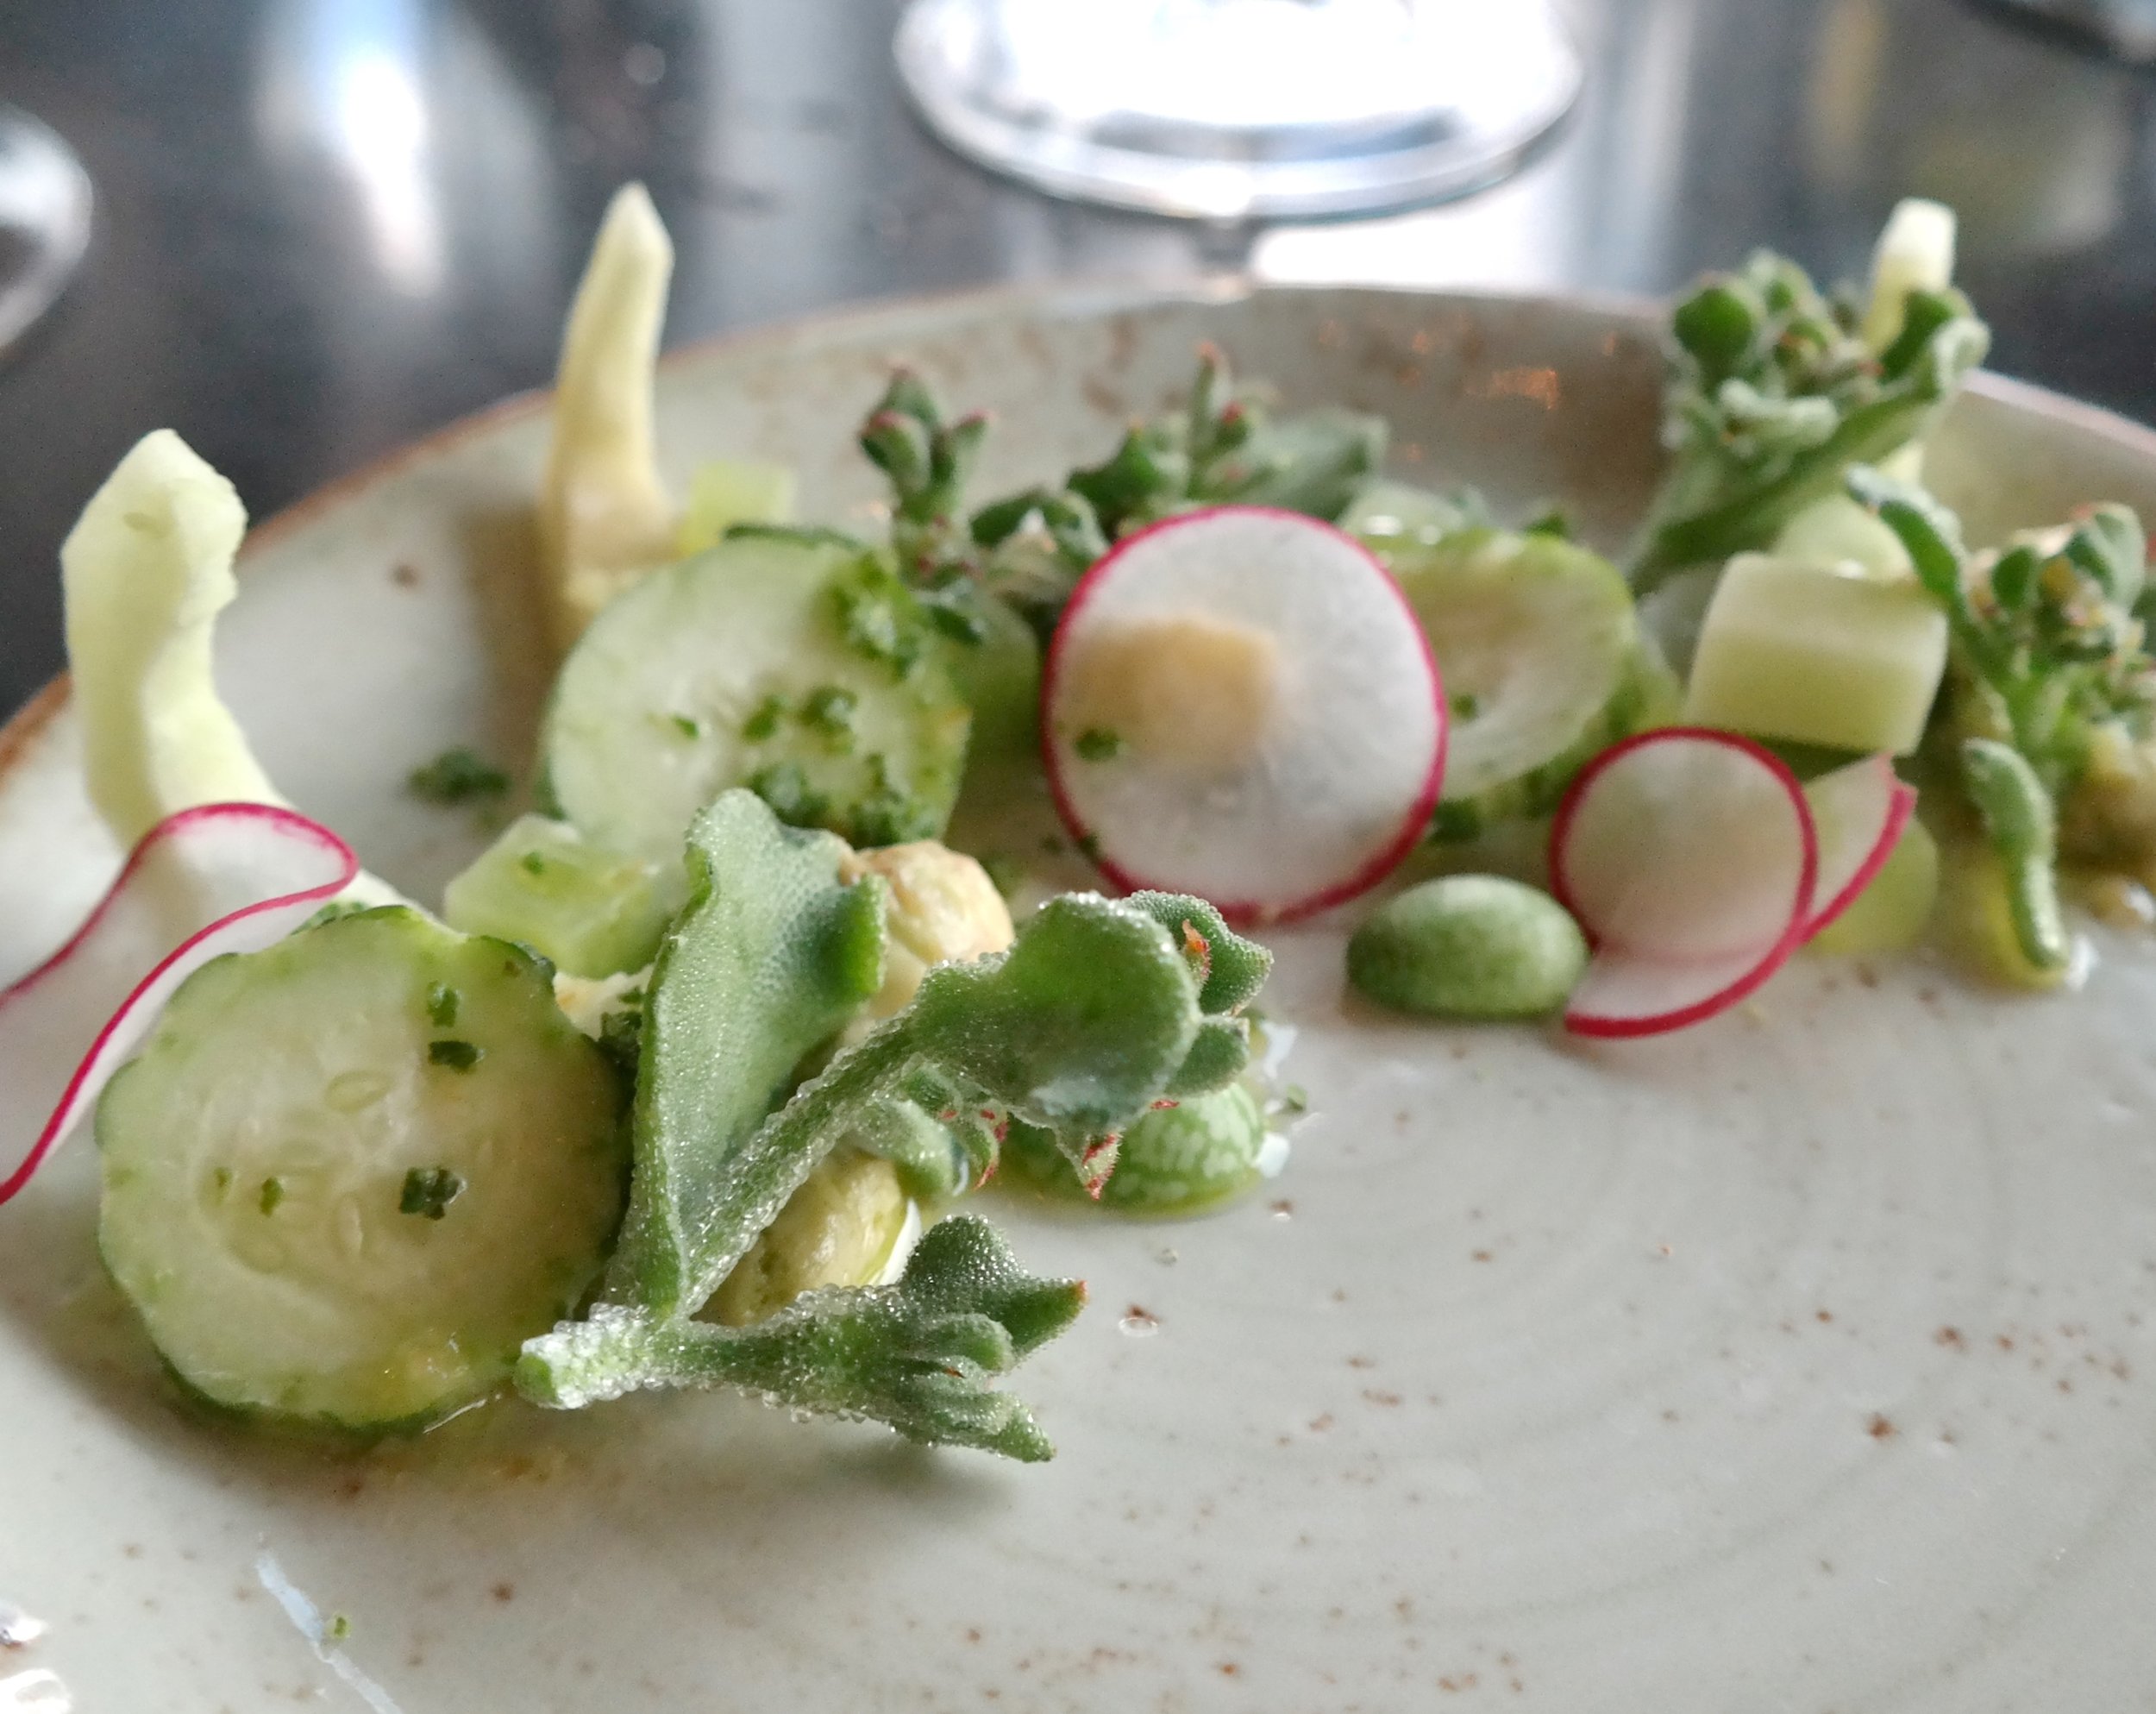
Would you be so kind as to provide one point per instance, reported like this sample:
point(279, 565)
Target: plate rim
point(1064, 297)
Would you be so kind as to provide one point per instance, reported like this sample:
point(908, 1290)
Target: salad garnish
point(682, 1086)
point(1776, 389)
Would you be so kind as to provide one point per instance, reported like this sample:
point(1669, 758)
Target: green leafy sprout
point(1099, 1009)
point(2045, 655)
point(1774, 395)
point(458, 775)
point(1219, 445)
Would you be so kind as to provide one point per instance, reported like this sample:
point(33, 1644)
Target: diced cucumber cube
point(1808, 653)
point(727, 491)
point(590, 912)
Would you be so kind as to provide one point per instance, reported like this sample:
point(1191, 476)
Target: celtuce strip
point(218, 879)
point(605, 516)
point(146, 571)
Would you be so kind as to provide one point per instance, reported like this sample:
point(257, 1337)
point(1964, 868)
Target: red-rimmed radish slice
point(1689, 857)
point(1859, 812)
point(229, 877)
point(1240, 704)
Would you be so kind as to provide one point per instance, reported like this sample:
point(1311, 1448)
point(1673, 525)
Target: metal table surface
point(327, 226)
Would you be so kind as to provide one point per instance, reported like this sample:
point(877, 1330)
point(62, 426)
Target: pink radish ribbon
point(225, 877)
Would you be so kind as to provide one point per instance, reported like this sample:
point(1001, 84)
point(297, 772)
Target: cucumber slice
point(350, 1176)
point(1540, 648)
point(999, 674)
point(1807, 654)
point(793, 663)
point(592, 913)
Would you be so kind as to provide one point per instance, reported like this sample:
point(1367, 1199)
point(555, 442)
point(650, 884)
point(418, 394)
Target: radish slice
point(1690, 858)
point(227, 877)
point(1859, 812)
point(1239, 703)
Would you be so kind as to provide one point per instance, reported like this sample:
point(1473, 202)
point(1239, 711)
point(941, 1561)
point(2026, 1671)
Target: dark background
point(328, 225)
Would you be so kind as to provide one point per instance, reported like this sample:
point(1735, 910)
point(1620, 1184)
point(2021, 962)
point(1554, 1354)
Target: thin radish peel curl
point(229, 877)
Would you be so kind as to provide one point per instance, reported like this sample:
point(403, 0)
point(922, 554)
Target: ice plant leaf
point(1082, 1028)
point(920, 1356)
point(771, 956)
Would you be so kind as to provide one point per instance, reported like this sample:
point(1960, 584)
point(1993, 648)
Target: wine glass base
point(2126, 29)
point(1242, 110)
point(44, 208)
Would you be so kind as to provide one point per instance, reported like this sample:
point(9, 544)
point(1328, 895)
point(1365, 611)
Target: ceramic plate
point(1803, 1361)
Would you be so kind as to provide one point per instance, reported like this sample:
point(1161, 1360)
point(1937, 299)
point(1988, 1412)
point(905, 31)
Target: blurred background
point(326, 226)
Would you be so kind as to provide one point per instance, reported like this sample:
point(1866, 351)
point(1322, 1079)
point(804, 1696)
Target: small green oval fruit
point(1469, 946)
point(1179, 1159)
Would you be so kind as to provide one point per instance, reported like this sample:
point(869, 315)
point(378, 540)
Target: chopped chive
point(272, 1194)
point(1006, 873)
point(442, 1002)
point(764, 722)
point(786, 788)
point(1098, 743)
point(457, 776)
point(457, 1056)
point(688, 725)
point(532, 863)
point(429, 1190)
point(829, 711)
point(885, 814)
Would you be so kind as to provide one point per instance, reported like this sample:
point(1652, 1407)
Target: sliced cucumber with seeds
point(792, 663)
point(1538, 646)
point(348, 1176)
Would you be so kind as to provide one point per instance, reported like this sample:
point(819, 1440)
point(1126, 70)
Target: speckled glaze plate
point(1801, 1362)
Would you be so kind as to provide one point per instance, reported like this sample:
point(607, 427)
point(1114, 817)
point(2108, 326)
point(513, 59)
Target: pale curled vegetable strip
point(145, 572)
point(1915, 253)
point(605, 516)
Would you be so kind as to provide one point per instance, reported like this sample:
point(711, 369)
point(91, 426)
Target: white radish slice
point(227, 877)
point(1690, 858)
point(1859, 812)
point(1239, 703)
